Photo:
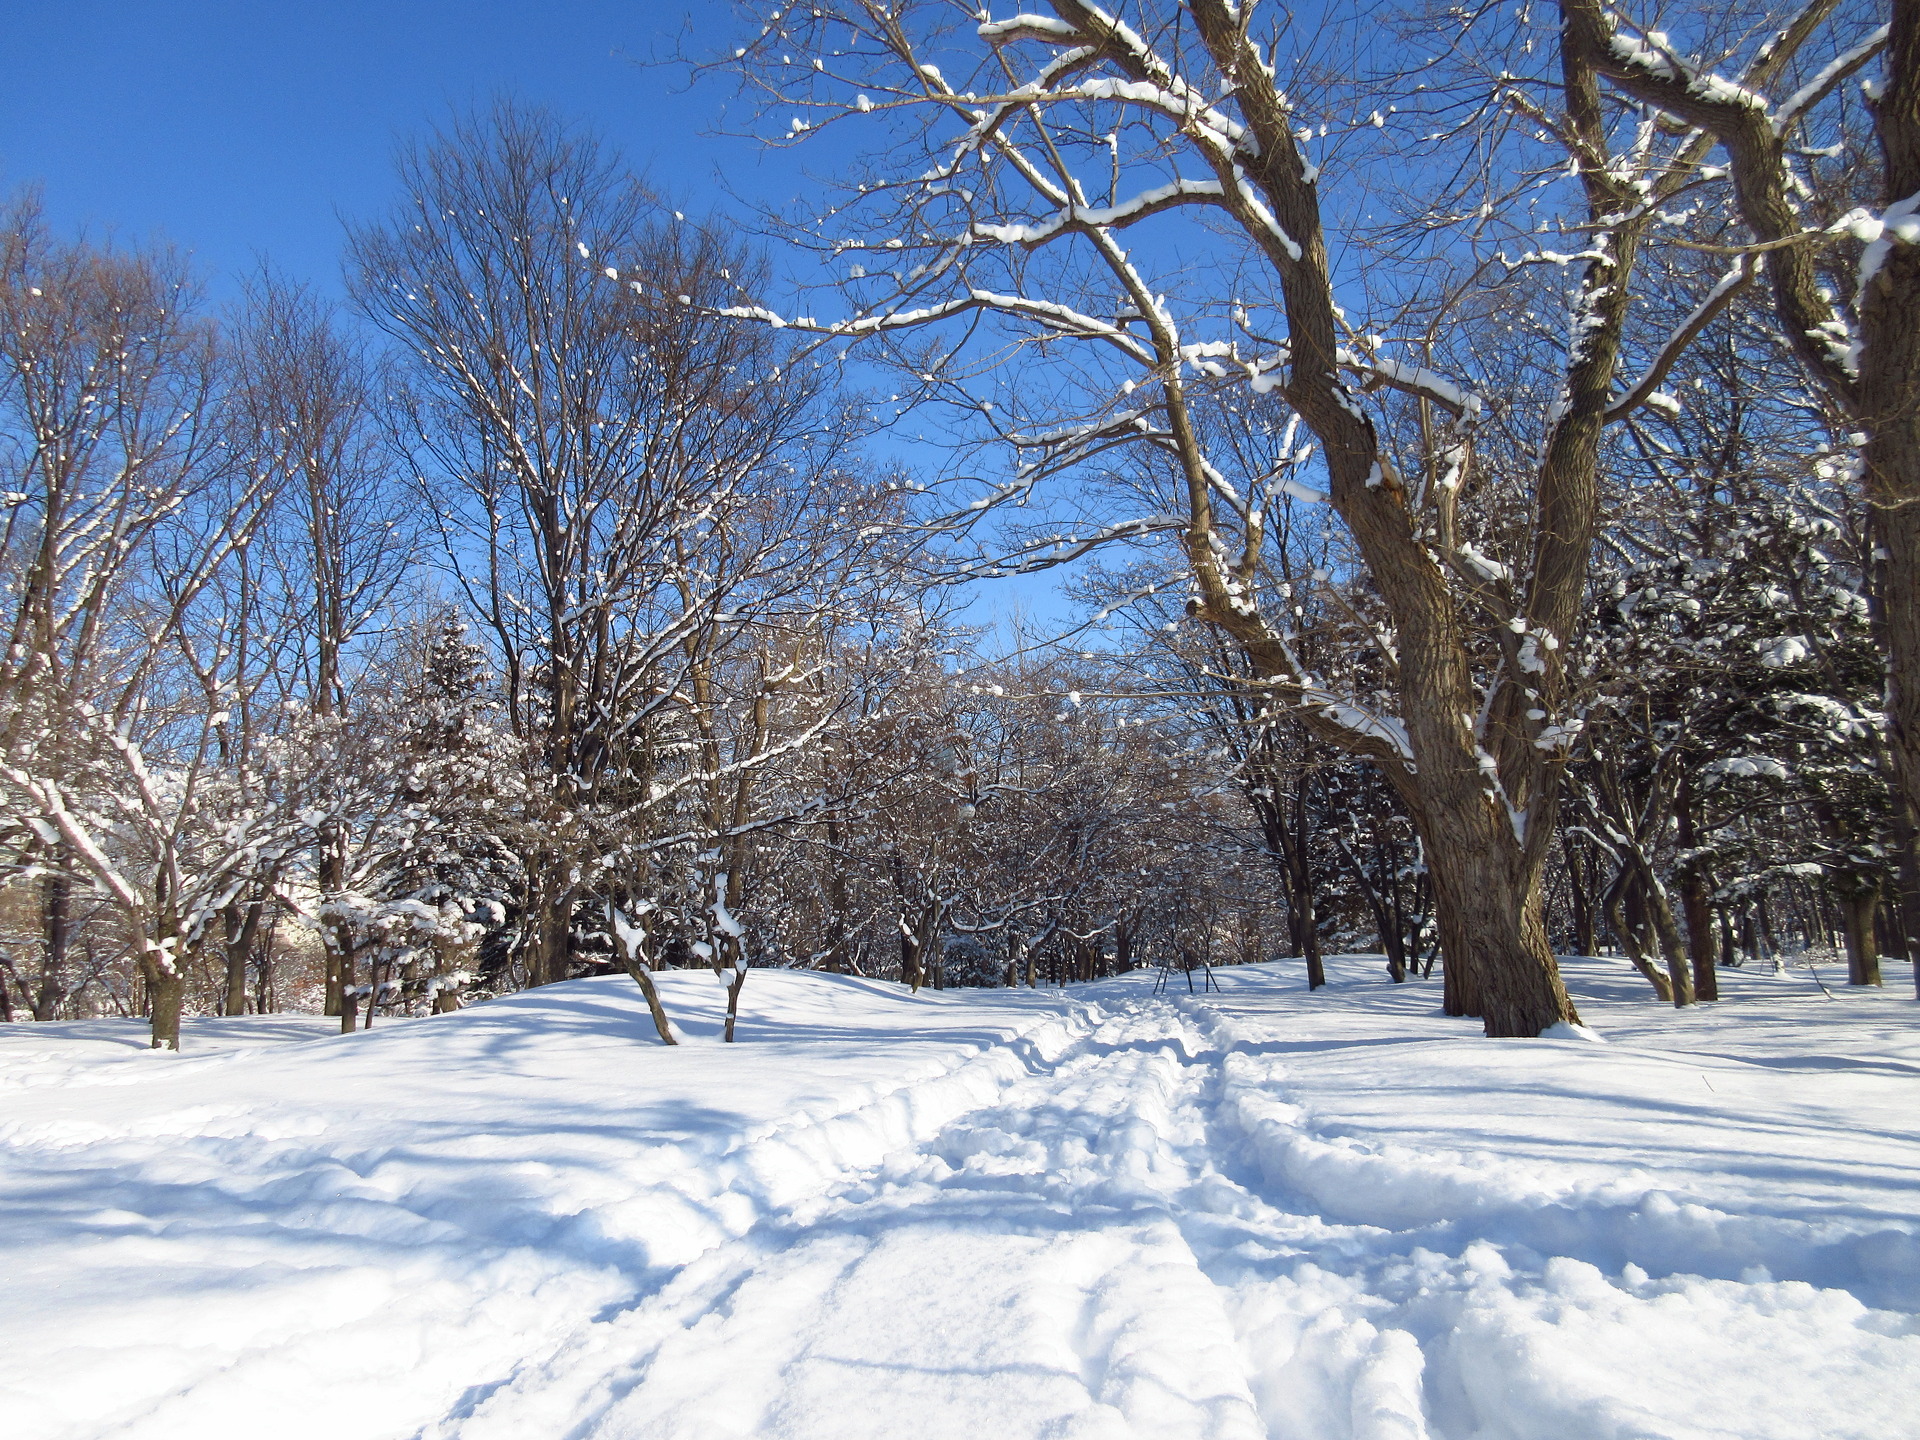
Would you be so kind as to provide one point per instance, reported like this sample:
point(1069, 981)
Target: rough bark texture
point(56, 896)
point(1696, 902)
point(335, 938)
point(166, 993)
point(1632, 940)
point(1877, 387)
point(1859, 906)
point(1486, 890)
point(1889, 399)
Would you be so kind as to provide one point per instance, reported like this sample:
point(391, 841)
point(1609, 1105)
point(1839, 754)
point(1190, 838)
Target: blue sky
point(247, 129)
point(238, 128)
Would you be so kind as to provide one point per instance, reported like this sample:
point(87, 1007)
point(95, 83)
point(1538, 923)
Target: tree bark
point(643, 977)
point(1695, 901)
point(1858, 904)
point(1889, 399)
point(1632, 937)
point(1580, 896)
point(56, 893)
point(167, 993)
point(336, 938)
point(242, 922)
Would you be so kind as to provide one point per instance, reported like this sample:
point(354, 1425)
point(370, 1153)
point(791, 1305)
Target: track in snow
point(1109, 1249)
point(1251, 1214)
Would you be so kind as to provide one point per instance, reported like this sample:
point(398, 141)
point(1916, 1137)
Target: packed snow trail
point(1256, 1213)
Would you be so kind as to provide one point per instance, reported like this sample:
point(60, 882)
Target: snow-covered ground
point(981, 1215)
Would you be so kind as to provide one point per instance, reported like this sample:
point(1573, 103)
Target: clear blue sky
point(239, 128)
point(246, 129)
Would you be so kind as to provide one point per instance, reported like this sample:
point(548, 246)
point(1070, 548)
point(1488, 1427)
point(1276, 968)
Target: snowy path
point(1247, 1214)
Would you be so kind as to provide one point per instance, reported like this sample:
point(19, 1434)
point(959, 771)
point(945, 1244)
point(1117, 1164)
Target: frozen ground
point(982, 1215)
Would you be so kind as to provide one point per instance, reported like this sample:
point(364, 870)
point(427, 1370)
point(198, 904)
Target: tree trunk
point(1580, 896)
point(1306, 922)
point(1627, 927)
point(1666, 930)
point(1702, 950)
point(349, 1003)
point(1494, 938)
point(1889, 401)
point(552, 939)
point(910, 971)
point(734, 986)
point(1695, 902)
point(56, 894)
point(1858, 902)
point(643, 977)
point(1906, 913)
point(242, 922)
point(167, 993)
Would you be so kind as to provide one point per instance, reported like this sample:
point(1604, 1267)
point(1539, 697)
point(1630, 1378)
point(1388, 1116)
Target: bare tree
point(647, 503)
point(114, 689)
point(1856, 330)
point(340, 540)
point(1010, 202)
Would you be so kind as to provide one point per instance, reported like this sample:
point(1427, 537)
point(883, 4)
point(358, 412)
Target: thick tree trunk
point(1494, 939)
point(1889, 400)
point(1858, 903)
point(167, 993)
point(552, 940)
point(1702, 947)
point(234, 1002)
point(1906, 913)
point(242, 922)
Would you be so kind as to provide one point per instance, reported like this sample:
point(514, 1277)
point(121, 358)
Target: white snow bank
point(1257, 1213)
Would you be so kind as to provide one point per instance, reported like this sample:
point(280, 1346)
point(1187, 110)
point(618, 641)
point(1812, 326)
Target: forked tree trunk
point(1632, 939)
point(242, 920)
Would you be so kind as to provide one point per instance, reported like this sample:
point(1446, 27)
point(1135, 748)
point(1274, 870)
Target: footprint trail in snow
point(1106, 1214)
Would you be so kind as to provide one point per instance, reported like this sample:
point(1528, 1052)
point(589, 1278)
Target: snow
point(1146, 203)
point(1901, 223)
point(992, 1213)
point(1840, 66)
